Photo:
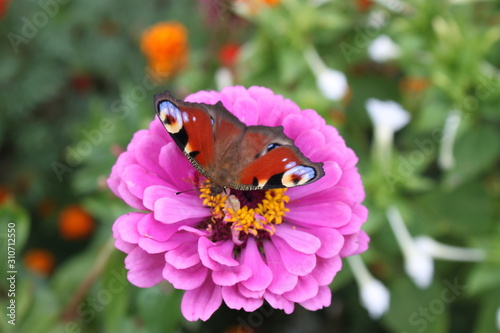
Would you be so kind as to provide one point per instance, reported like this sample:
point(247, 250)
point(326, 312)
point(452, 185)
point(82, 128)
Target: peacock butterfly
point(231, 154)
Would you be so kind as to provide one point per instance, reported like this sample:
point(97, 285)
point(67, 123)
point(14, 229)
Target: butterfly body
point(231, 154)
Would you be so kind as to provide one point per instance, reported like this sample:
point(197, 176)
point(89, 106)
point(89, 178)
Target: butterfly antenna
point(191, 189)
point(203, 185)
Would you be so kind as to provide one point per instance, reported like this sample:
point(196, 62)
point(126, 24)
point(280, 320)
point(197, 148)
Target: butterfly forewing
point(190, 127)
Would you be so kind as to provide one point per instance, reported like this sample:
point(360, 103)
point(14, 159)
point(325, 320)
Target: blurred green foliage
point(74, 88)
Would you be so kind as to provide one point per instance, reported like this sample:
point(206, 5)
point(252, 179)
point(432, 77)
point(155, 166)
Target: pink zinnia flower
point(283, 246)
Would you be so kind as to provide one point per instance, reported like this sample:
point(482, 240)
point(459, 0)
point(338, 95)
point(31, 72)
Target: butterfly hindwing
point(279, 162)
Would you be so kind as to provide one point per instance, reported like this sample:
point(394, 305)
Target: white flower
point(375, 297)
point(419, 265)
point(223, 78)
point(387, 114)
point(383, 49)
point(498, 318)
point(448, 252)
point(387, 117)
point(446, 160)
point(331, 83)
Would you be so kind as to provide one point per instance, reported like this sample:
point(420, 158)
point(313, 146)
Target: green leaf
point(160, 307)
point(487, 318)
point(483, 278)
point(14, 225)
point(115, 282)
point(465, 211)
point(476, 151)
point(43, 313)
point(414, 309)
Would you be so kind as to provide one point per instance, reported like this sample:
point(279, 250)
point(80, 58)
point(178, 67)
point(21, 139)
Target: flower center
point(238, 214)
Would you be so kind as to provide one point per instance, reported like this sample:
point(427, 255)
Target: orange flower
point(46, 207)
point(272, 2)
point(5, 195)
point(75, 223)
point(228, 54)
point(413, 84)
point(253, 7)
point(3, 7)
point(364, 5)
point(39, 261)
point(165, 46)
point(239, 329)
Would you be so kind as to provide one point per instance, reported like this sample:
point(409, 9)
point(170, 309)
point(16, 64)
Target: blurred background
point(413, 87)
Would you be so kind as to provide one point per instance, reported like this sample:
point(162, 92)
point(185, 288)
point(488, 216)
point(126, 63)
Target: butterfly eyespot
point(272, 146)
point(212, 121)
point(298, 175)
point(171, 116)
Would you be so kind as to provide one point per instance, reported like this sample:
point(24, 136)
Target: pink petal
point(178, 171)
point(223, 253)
point(310, 140)
point(154, 193)
point(152, 246)
point(126, 227)
point(147, 152)
point(316, 121)
point(354, 244)
point(279, 302)
point(149, 227)
point(295, 262)
point(129, 198)
point(261, 274)
point(201, 303)
point(249, 293)
point(234, 300)
point(203, 245)
point(144, 268)
point(331, 241)
point(123, 246)
point(282, 280)
point(228, 276)
point(359, 216)
point(183, 256)
point(246, 111)
point(187, 279)
point(306, 288)
point(214, 255)
point(324, 214)
point(298, 240)
point(321, 300)
point(326, 269)
point(171, 209)
point(138, 179)
point(363, 240)
point(352, 180)
point(124, 160)
point(294, 124)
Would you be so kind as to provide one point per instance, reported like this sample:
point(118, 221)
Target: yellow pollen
point(269, 212)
